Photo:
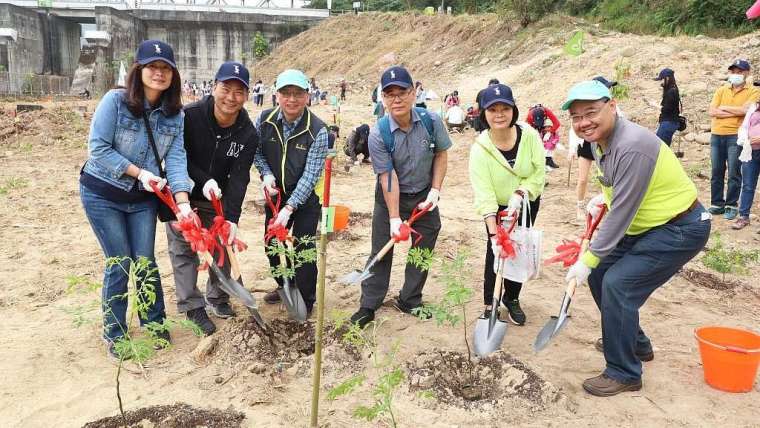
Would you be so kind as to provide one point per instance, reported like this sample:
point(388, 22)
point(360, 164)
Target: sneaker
point(715, 210)
point(644, 356)
point(200, 317)
point(111, 348)
point(403, 307)
point(730, 213)
point(272, 297)
point(362, 317)
point(515, 312)
point(487, 313)
point(163, 340)
point(740, 223)
point(605, 386)
point(222, 310)
point(551, 163)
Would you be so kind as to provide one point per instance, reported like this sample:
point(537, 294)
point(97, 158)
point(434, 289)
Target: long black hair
point(669, 82)
point(171, 98)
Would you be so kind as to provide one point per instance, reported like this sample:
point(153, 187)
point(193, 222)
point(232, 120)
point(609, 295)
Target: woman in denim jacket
point(115, 182)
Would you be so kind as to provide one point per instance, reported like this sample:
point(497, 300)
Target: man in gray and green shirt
point(654, 226)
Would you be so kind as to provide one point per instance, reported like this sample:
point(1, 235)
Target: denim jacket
point(118, 139)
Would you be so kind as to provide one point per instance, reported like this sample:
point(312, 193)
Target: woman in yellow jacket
point(506, 170)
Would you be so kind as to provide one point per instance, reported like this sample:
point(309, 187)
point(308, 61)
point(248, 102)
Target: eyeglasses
point(397, 97)
point(590, 115)
point(293, 94)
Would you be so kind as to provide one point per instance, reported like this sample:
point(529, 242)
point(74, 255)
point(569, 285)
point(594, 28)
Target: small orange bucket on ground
point(341, 217)
point(730, 357)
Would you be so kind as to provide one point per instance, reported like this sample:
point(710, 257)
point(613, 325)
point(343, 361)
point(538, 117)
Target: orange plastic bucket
point(341, 217)
point(730, 357)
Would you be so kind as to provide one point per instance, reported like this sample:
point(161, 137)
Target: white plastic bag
point(526, 264)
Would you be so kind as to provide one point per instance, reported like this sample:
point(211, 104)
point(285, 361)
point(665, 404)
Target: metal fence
point(33, 84)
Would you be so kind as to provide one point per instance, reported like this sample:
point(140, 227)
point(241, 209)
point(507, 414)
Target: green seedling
point(726, 260)
point(12, 184)
point(622, 72)
point(297, 256)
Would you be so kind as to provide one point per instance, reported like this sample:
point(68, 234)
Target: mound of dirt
point(48, 125)
point(708, 280)
point(490, 380)
point(179, 415)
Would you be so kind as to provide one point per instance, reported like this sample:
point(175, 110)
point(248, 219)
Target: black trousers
point(303, 222)
point(511, 288)
point(375, 288)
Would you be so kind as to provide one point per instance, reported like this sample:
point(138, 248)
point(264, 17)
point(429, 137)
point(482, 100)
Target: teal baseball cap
point(589, 90)
point(292, 77)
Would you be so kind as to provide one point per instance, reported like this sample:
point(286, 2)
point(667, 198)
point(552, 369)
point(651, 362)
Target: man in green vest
point(654, 226)
point(290, 158)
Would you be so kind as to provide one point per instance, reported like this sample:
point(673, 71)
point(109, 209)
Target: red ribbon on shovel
point(502, 236)
point(220, 228)
point(406, 230)
point(277, 231)
point(569, 251)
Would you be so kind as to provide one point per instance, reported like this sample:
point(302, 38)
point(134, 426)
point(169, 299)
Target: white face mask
point(735, 79)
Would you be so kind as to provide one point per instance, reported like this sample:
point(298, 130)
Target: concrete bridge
point(45, 44)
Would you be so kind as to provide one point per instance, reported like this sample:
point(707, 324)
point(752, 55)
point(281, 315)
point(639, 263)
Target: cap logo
point(237, 70)
point(158, 49)
point(393, 74)
point(496, 91)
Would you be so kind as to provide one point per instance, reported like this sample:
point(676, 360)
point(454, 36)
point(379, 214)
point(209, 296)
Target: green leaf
point(346, 387)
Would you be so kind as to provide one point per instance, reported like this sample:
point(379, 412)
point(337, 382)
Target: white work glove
point(185, 210)
point(496, 248)
point(284, 216)
point(357, 162)
point(146, 177)
point(547, 137)
point(580, 272)
point(432, 199)
point(211, 186)
point(269, 184)
point(594, 206)
point(514, 205)
point(233, 232)
point(395, 226)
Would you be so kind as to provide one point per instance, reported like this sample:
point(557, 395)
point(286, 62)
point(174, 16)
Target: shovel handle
point(383, 251)
point(570, 290)
point(233, 262)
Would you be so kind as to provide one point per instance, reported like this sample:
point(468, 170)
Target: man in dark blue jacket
point(220, 141)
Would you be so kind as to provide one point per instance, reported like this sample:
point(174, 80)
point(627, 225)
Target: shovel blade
point(545, 335)
point(293, 300)
point(234, 288)
point(488, 338)
point(355, 277)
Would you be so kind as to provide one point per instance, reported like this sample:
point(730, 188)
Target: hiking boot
point(362, 317)
point(714, 210)
point(163, 340)
point(730, 213)
point(644, 356)
point(201, 319)
point(740, 223)
point(605, 386)
point(515, 312)
point(272, 297)
point(403, 307)
point(550, 162)
point(111, 348)
point(222, 310)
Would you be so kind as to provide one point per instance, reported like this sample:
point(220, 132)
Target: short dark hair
point(171, 98)
point(484, 122)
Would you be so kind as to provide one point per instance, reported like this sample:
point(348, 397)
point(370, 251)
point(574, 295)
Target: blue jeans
point(123, 230)
point(624, 279)
point(750, 171)
point(725, 152)
point(665, 131)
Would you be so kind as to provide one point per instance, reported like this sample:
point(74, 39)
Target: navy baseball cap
point(605, 82)
point(665, 72)
point(396, 76)
point(496, 94)
point(741, 64)
point(232, 70)
point(155, 50)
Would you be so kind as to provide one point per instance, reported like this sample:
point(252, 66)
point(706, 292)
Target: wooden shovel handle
point(233, 262)
point(383, 251)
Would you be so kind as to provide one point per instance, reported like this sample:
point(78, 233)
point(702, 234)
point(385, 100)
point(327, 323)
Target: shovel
point(679, 153)
point(356, 277)
point(291, 296)
point(556, 323)
point(489, 332)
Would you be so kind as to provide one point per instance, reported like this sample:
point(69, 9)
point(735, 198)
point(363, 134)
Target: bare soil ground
point(57, 374)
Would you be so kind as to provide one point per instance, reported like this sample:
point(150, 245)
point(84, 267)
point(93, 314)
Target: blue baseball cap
point(496, 94)
point(232, 70)
point(741, 64)
point(396, 76)
point(155, 50)
point(589, 90)
point(292, 77)
point(665, 72)
point(605, 82)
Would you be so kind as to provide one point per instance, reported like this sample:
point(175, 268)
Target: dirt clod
point(179, 415)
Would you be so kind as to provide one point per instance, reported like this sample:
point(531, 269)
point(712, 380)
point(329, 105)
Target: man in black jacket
point(221, 142)
point(356, 144)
